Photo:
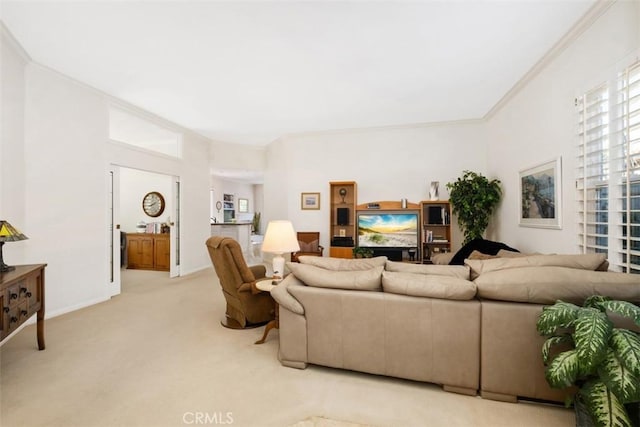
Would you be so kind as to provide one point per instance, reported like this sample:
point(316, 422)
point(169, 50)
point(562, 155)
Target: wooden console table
point(22, 296)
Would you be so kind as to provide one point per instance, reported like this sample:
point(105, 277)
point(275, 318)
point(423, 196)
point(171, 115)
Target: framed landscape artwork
point(310, 201)
point(540, 195)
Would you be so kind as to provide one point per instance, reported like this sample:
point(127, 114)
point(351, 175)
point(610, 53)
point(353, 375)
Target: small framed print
point(541, 196)
point(310, 201)
point(243, 205)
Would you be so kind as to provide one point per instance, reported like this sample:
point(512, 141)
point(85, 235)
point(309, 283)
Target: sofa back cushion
point(580, 261)
point(342, 264)
point(428, 285)
point(459, 271)
point(547, 284)
point(363, 280)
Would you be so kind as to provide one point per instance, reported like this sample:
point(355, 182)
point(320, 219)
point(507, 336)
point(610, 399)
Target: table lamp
point(8, 233)
point(278, 239)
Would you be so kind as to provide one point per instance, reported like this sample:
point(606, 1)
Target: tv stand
point(390, 253)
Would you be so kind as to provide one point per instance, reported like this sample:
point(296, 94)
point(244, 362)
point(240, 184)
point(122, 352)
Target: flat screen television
point(388, 229)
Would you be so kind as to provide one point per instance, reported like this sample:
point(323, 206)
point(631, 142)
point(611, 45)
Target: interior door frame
point(113, 178)
point(174, 223)
point(114, 278)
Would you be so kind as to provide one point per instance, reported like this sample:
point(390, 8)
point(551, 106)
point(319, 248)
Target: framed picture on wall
point(243, 205)
point(541, 195)
point(310, 201)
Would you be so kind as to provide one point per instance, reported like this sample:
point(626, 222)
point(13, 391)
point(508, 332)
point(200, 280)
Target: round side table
point(265, 285)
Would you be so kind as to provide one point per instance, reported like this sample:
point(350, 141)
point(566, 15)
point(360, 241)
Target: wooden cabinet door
point(140, 252)
point(162, 255)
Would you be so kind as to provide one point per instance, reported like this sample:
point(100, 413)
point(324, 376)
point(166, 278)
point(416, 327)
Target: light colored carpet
point(157, 356)
point(326, 422)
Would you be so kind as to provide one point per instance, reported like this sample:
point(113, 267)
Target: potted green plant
point(473, 199)
point(359, 252)
point(602, 361)
point(255, 224)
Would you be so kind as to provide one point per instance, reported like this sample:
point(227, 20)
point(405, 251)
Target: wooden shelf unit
point(339, 228)
point(436, 221)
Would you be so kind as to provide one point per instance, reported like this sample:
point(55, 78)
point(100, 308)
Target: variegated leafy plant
point(601, 360)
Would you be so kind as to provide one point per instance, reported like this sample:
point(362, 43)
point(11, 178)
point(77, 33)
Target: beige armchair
point(246, 306)
point(309, 242)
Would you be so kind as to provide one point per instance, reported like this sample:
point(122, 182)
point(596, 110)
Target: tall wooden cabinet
point(436, 228)
point(343, 196)
point(148, 251)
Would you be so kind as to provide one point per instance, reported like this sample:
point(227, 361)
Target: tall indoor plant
point(603, 362)
point(473, 200)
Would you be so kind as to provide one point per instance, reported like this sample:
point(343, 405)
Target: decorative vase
point(433, 190)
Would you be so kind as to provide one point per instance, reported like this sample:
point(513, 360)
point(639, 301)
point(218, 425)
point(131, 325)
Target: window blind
point(627, 152)
point(593, 169)
point(608, 181)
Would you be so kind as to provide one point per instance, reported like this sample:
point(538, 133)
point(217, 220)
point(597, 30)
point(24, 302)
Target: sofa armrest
point(282, 296)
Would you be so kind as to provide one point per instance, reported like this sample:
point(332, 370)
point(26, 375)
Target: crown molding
point(379, 128)
point(587, 20)
point(13, 43)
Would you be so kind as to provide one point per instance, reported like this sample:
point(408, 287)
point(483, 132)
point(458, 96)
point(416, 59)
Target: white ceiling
point(251, 71)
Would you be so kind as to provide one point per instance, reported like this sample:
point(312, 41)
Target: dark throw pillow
point(481, 245)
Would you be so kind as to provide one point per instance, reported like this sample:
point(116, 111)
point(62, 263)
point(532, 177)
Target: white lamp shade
point(280, 237)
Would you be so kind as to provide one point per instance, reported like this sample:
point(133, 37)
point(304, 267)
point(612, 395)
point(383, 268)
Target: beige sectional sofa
point(433, 323)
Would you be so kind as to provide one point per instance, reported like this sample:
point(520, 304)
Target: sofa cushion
point(460, 271)
point(580, 261)
point(546, 284)
point(342, 264)
point(428, 285)
point(363, 280)
point(443, 258)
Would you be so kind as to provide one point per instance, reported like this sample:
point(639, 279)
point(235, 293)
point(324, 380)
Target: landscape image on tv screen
point(388, 230)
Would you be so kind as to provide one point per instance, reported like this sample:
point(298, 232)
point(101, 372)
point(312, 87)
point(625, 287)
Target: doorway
point(128, 188)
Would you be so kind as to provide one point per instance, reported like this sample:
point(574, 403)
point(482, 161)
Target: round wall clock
point(153, 204)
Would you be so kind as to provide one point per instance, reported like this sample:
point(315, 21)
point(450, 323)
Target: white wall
point(12, 159)
point(55, 185)
point(386, 163)
point(134, 185)
point(66, 200)
point(236, 156)
point(539, 124)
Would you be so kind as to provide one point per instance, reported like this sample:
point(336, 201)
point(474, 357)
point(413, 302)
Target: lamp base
point(278, 267)
point(4, 267)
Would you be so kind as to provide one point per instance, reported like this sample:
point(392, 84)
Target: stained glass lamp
point(8, 233)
